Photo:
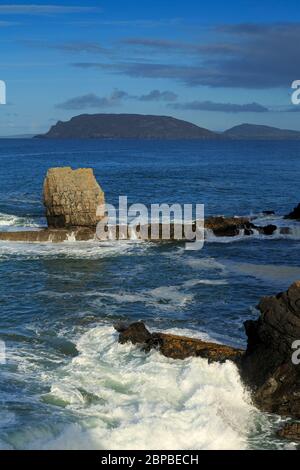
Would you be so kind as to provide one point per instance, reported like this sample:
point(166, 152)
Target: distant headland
point(139, 126)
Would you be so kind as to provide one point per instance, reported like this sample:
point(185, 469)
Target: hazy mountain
point(258, 132)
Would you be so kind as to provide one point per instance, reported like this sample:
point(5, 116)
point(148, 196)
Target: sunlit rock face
point(72, 198)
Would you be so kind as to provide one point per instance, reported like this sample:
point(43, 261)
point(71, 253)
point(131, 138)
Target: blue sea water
point(66, 382)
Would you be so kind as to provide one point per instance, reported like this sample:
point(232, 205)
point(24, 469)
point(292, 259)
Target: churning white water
point(126, 399)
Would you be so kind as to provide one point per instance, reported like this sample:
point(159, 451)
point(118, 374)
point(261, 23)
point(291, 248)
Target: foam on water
point(69, 249)
point(9, 221)
point(124, 399)
point(163, 298)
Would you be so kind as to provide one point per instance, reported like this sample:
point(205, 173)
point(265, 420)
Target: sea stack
point(72, 198)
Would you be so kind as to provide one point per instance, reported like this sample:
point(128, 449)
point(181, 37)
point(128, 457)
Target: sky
point(215, 63)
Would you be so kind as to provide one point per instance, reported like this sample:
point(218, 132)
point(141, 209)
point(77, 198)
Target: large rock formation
point(176, 347)
point(267, 367)
point(72, 198)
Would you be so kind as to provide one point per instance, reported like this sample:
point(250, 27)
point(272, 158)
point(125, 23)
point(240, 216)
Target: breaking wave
point(8, 221)
point(123, 398)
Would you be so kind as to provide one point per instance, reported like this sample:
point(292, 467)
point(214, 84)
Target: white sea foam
point(7, 221)
point(127, 399)
point(163, 298)
point(69, 249)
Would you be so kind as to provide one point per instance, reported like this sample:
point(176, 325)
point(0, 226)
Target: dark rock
point(295, 214)
point(178, 347)
point(232, 226)
point(227, 226)
point(136, 333)
point(290, 431)
point(267, 366)
point(120, 327)
point(269, 229)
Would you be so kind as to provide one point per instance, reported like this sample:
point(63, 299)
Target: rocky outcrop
point(267, 366)
point(232, 226)
point(176, 347)
point(290, 431)
point(72, 198)
point(49, 235)
point(220, 226)
point(227, 226)
point(295, 214)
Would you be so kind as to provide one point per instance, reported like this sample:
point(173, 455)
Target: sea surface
point(67, 383)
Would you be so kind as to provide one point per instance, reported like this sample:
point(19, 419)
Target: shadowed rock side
point(267, 366)
point(72, 198)
point(295, 214)
point(176, 347)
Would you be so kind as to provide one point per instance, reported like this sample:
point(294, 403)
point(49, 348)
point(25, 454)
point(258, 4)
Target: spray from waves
point(124, 399)
point(9, 221)
point(70, 249)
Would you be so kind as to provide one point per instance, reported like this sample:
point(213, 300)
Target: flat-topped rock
point(49, 235)
point(72, 198)
point(174, 346)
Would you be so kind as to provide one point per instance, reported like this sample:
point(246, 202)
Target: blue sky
point(215, 63)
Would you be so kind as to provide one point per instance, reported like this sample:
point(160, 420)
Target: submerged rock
point(295, 214)
point(268, 367)
point(176, 347)
point(72, 198)
point(290, 431)
point(269, 229)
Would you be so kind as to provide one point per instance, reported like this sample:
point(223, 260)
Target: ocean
point(67, 383)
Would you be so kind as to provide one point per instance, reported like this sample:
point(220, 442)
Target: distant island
point(127, 126)
point(259, 132)
point(139, 126)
